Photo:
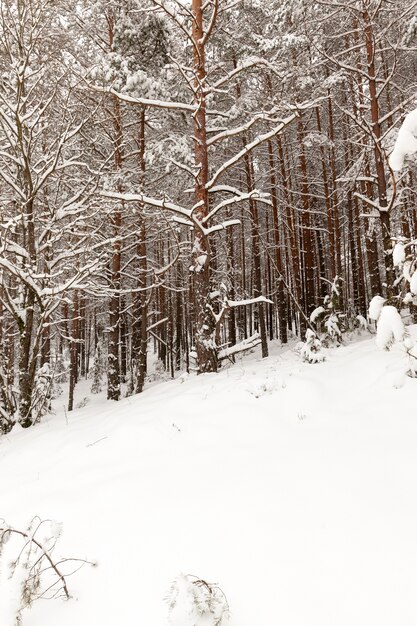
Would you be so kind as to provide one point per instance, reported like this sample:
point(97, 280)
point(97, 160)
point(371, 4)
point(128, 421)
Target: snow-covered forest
point(207, 217)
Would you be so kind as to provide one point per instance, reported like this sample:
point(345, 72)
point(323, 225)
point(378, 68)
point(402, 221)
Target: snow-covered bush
point(326, 319)
point(42, 393)
point(406, 142)
point(405, 260)
point(360, 323)
point(195, 602)
point(390, 326)
point(391, 330)
point(310, 349)
point(28, 569)
point(404, 252)
point(375, 307)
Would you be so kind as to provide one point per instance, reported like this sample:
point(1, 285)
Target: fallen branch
point(246, 344)
point(28, 570)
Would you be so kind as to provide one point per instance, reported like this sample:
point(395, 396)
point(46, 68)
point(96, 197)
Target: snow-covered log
point(246, 344)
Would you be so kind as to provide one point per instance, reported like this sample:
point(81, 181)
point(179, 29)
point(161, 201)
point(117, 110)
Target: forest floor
point(293, 486)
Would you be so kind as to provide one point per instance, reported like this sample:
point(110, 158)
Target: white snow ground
point(293, 486)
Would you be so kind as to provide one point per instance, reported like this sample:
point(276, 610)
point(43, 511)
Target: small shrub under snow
point(361, 322)
point(375, 307)
point(28, 569)
point(390, 328)
point(310, 349)
point(195, 602)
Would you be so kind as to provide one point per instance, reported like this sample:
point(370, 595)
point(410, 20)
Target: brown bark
point(74, 337)
point(256, 252)
point(336, 221)
point(294, 261)
point(329, 207)
point(230, 246)
point(377, 147)
point(113, 348)
point(281, 295)
point(307, 239)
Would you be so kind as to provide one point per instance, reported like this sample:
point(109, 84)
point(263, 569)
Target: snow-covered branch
point(260, 139)
point(246, 344)
point(138, 197)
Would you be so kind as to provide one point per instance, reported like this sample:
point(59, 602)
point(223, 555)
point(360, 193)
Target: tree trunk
point(113, 373)
point(204, 335)
point(307, 239)
point(378, 149)
point(281, 295)
point(140, 309)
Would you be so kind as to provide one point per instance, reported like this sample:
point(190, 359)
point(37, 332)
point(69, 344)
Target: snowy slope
point(293, 486)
